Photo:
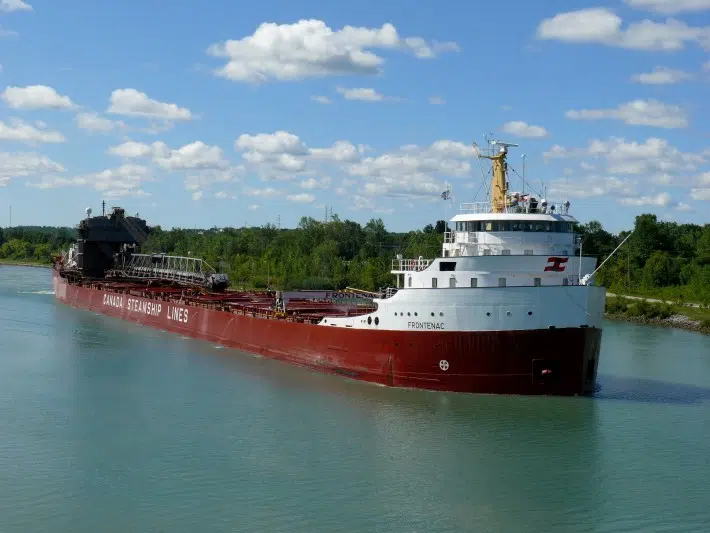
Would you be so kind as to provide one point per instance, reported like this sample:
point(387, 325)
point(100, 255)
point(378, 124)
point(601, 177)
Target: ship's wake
point(50, 292)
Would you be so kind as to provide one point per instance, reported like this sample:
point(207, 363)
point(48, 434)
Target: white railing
point(410, 265)
point(466, 237)
point(481, 208)
point(476, 207)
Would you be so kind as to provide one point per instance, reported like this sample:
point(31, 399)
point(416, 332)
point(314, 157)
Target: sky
point(214, 114)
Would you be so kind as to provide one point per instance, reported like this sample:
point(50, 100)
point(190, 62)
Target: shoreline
point(675, 321)
point(5, 262)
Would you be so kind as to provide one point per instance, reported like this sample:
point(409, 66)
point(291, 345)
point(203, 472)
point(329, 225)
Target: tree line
point(660, 258)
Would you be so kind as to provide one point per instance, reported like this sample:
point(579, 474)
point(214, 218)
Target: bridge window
point(515, 225)
point(447, 266)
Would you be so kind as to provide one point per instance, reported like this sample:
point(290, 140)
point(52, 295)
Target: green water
point(106, 426)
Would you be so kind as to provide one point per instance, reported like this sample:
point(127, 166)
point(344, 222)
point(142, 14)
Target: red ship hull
point(532, 362)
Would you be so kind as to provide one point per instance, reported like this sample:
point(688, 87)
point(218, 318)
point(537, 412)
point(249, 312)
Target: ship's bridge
point(517, 246)
point(478, 231)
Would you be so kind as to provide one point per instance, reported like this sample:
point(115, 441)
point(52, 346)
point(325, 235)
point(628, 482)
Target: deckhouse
point(516, 239)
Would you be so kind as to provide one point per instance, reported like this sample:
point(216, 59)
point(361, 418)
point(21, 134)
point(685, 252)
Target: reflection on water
point(110, 426)
point(647, 390)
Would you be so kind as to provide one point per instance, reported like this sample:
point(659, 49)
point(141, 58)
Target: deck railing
point(410, 265)
point(481, 208)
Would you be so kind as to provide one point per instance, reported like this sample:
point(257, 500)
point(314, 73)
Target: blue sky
point(220, 113)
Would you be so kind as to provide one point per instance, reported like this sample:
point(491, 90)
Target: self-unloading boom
point(184, 270)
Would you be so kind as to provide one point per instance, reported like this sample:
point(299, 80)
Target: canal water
point(107, 426)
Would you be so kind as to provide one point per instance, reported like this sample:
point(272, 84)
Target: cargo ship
point(509, 307)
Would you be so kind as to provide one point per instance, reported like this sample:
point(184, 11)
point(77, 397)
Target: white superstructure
point(513, 263)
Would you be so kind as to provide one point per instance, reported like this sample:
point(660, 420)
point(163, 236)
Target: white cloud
point(706, 66)
point(302, 198)
point(9, 6)
point(271, 143)
point(196, 155)
point(35, 97)
point(654, 158)
point(222, 195)
point(313, 183)
point(24, 164)
point(203, 179)
point(197, 195)
point(661, 200)
point(340, 151)
point(275, 156)
point(523, 129)
point(363, 94)
point(116, 182)
point(7, 33)
point(20, 131)
point(700, 194)
point(321, 99)
point(603, 26)
point(95, 122)
point(591, 186)
point(131, 102)
point(436, 100)
point(310, 49)
point(651, 164)
point(682, 206)
point(637, 113)
point(662, 76)
point(253, 207)
point(413, 171)
point(669, 7)
point(268, 192)
point(282, 155)
point(133, 150)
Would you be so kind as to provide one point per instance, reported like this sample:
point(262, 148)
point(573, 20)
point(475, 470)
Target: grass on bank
point(25, 262)
point(618, 305)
